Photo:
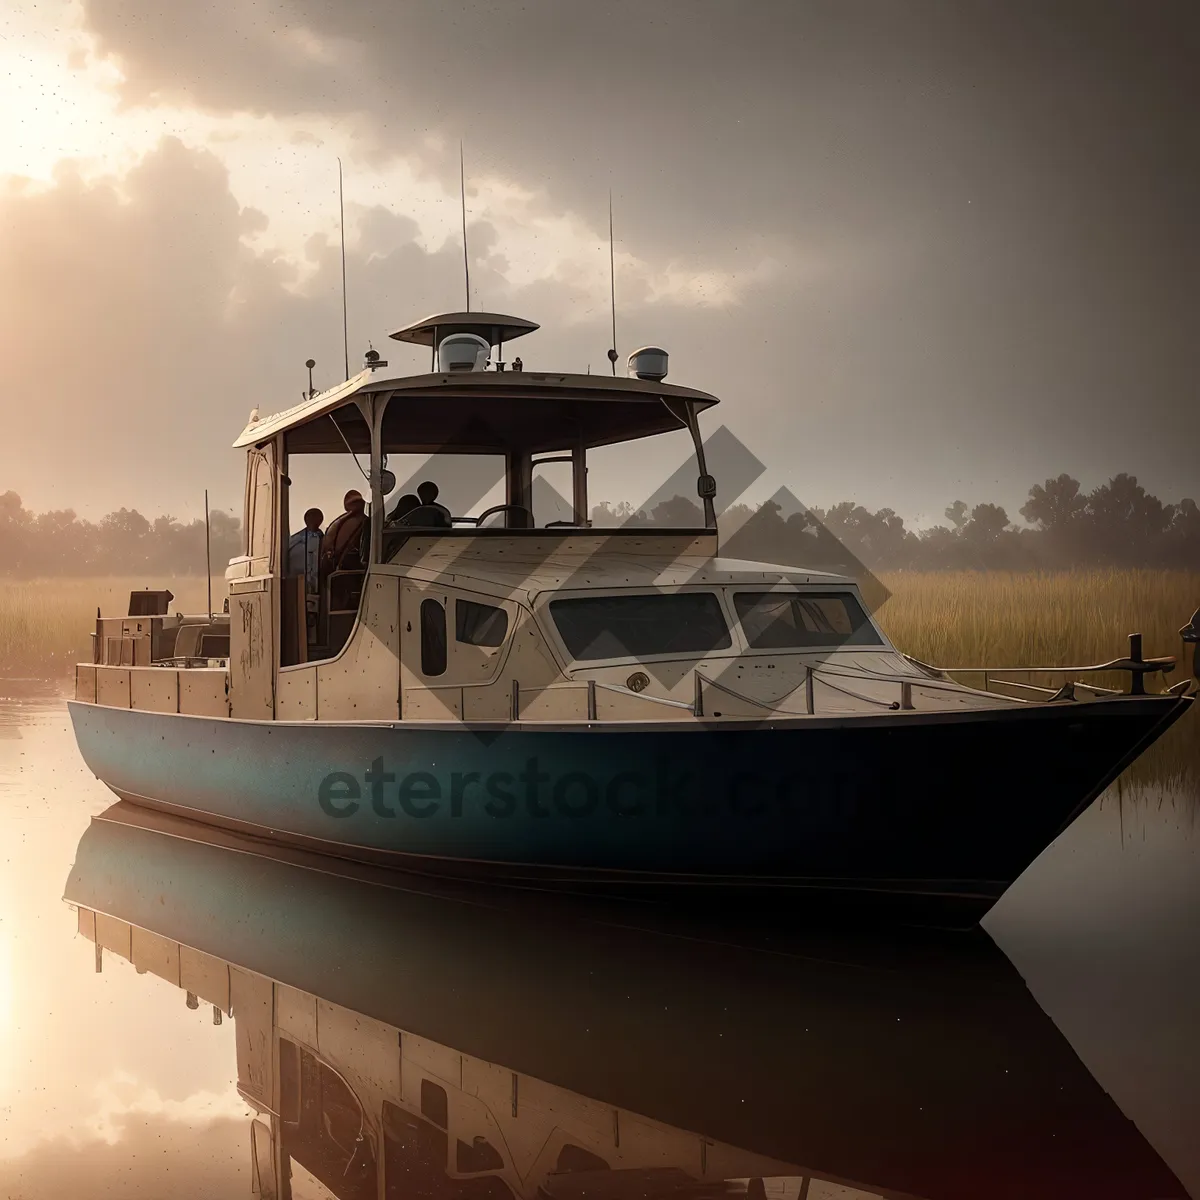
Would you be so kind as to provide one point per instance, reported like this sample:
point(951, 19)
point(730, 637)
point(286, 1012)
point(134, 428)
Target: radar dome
point(650, 362)
point(463, 352)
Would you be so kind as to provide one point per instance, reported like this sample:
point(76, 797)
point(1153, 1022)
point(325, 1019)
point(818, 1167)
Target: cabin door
point(429, 690)
point(253, 599)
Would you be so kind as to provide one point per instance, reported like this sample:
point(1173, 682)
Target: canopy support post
point(518, 479)
point(579, 481)
point(373, 408)
point(706, 485)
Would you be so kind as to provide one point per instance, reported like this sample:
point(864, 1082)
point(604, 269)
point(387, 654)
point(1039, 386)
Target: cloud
point(921, 250)
point(148, 313)
point(154, 1156)
point(121, 1100)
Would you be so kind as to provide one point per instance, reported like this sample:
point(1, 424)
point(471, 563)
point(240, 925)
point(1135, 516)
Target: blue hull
point(944, 809)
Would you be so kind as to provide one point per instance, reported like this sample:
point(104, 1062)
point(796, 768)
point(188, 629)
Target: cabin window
point(326, 1146)
point(433, 638)
point(782, 620)
point(479, 624)
point(594, 627)
point(435, 1104)
point(416, 1158)
point(262, 505)
point(478, 1155)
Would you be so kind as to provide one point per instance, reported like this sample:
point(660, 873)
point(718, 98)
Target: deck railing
point(1135, 663)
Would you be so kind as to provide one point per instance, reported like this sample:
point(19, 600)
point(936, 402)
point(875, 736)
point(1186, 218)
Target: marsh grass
point(1007, 619)
point(46, 624)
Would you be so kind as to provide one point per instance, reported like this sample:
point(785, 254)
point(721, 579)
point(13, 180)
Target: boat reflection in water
point(407, 1038)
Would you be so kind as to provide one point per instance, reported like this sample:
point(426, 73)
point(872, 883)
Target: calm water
point(588, 1056)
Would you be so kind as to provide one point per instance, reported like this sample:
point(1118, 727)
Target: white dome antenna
point(650, 362)
point(463, 352)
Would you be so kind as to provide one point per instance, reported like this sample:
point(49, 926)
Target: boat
point(565, 706)
point(400, 1035)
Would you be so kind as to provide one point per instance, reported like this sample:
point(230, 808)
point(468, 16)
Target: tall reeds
point(1008, 619)
point(46, 624)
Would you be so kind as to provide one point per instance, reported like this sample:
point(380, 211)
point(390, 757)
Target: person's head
point(313, 519)
point(404, 505)
point(427, 492)
point(353, 501)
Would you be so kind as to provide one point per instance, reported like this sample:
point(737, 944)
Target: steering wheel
point(516, 508)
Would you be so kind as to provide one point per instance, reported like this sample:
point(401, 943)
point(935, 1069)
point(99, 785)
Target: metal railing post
point(1137, 684)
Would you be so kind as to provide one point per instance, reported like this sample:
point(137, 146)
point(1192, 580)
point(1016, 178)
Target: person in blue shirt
point(304, 551)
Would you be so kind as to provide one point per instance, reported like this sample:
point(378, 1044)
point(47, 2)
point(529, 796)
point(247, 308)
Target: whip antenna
point(612, 286)
point(342, 223)
point(462, 191)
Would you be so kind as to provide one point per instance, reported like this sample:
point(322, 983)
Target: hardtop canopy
point(494, 327)
point(484, 412)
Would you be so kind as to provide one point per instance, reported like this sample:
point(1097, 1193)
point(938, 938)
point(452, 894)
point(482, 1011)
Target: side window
point(326, 1144)
point(784, 620)
point(261, 506)
point(433, 638)
point(479, 624)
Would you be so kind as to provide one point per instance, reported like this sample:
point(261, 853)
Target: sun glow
point(64, 106)
point(6, 1007)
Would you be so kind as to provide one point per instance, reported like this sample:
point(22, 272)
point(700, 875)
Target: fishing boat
point(400, 1036)
point(559, 705)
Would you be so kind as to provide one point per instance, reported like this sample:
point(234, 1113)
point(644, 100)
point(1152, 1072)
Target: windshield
point(780, 620)
point(595, 627)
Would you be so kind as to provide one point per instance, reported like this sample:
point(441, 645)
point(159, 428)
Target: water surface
point(110, 1085)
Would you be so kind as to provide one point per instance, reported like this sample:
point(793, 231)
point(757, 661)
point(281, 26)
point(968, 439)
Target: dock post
point(516, 701)
point(591, 700)
point(809, 705)
point(698, 696)
point(906, 695)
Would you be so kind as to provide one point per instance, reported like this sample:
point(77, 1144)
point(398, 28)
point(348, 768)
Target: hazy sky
point(922, 251)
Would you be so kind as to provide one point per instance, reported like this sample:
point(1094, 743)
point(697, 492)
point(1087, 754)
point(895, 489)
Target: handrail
point(624, 691)
point(713, 683)
point(890, 704)
point(1137, 666)
point(787, 712)
point(1145, 666)
point(1030, 687)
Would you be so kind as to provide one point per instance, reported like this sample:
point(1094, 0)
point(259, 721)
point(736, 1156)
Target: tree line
point(1116, 524)
point(122, 543)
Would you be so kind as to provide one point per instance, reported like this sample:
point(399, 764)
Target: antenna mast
point(612, 286)
point(462, 191)
point(342, 223)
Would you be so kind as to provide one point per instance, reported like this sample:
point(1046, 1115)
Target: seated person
point(427, 493)
point(428, 513)
point(402, 508)
point(304, 550)
point(340, 549)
